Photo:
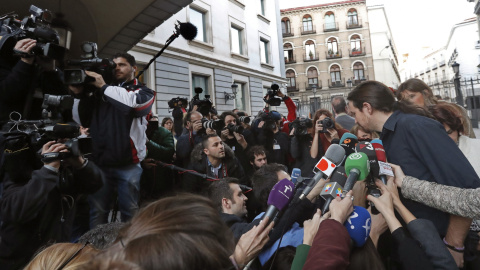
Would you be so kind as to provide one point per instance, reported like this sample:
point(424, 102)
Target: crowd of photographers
point(92, 179)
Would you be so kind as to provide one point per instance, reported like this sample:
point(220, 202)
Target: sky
point(414, 23)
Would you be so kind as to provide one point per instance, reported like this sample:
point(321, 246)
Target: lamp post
point(233, 95)
point(349, 84)
point(314, 89)
point(458, 92)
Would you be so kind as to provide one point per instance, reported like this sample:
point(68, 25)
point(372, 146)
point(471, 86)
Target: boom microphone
point(187, 30)
point(357, 169)
point(358, 225)
point(279, 197)
point(333, 157)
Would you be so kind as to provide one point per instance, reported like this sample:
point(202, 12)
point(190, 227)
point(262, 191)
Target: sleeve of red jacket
point(330, 248)
point(292, 109)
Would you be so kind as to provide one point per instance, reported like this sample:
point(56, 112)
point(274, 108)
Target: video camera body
point(37, 27)
point(203, 105)
point(91, 62)
point(270, 120)
point(301, 126)
point(174, 102)
point(270, 97)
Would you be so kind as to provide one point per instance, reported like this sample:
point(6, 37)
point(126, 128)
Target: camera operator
point(300, 144)
point(39, 203)
point(118, 124)
point(178, 113)
point(326, 132)
point(276, 143)
point(235, 136)
point(191, 136)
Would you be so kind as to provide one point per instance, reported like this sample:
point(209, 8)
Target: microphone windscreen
point(296, 172)
point(380, 152)
point(339, 176)
point(377, 141)
point(367, 148)
point(188, 31)
point(335, 153)
point(360, 162)
point(348, 142)
point(358, 225)
point(281, 194)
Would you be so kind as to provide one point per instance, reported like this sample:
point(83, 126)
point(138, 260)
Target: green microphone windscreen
point(360, 162)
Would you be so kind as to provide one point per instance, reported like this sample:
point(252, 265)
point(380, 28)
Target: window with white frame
point(202, 82)
point(241, 97)
point(264, 51)
point(310, 50)
point(198, 18)
point(237, 39)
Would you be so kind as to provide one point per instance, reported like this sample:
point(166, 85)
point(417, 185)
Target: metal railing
point(329, 27)
point(290, 60)
point(333, 54)
point(307, 29)
point(292, 88)
point(288, 33)
point(356, 52)
point(308, 58)
point(357, 82)
point(353, 24)
point(309, 86)
point(336, 84)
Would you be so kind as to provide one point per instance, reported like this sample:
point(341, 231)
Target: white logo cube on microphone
point(326, 166)
point(385, 169)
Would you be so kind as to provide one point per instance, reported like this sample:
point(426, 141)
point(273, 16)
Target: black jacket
point(238, 225)
point(276, 144)
point(300, 151)
point(37, 211)
point(231, 168)
point(185, 144)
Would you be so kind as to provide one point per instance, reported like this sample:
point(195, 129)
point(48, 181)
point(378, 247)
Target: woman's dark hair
point(234, 115)
point(283, 260)
point(447, 113)
point(263, 181)
point(365, 258)
point(179, 232)
point(381, 98)
point(221, 189)
point(417, 86)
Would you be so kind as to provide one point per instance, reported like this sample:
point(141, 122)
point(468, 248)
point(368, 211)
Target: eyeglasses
point(72, 257)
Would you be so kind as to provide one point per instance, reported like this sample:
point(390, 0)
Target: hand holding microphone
point(279, 197)
point(341, 209)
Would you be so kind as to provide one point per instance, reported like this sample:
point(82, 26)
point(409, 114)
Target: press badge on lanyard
point(276, 146)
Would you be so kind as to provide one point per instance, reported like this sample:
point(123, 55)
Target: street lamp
point(231, 96)
point(314, 89)
point(386, 47)
point(349, 84)
point(458, 91)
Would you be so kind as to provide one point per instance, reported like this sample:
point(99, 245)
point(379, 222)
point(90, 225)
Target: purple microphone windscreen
point(281, 194)
point(188, 31)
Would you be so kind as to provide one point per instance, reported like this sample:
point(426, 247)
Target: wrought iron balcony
point(310, 86)
point(357, 52)
point(329, 27)
point(292, 88)
point(351, 24)
point(308, 29)
point(336, 84)
point(290, 60)
point(311, 57)
point(288, 33)
point(333, 54)
point(357, 82)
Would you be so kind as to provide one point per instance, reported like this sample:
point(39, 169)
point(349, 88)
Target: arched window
point(355, 44)
point(307, 23)
point(330, 21)
point(291, 83)
point(332, 46)
point(335, 74)
point(352, 17)
point(358, 72)
point(310, 50)
point(312, 75)
point(286, 26)
point(288, 53)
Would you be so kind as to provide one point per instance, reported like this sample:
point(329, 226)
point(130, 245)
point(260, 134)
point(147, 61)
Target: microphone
point(348, 142)
point(279, 197)
point(296, 172)
point(357, 169)
point(333, 157)
point(187, 30)
point(337, 181)
point(376, 141)
point(367, 148)
point(384, 168)
point(358, 225)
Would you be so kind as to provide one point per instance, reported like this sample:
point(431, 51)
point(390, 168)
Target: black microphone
point(369, 150)
point(348, 142)
point(333, 157)
point(187, 30)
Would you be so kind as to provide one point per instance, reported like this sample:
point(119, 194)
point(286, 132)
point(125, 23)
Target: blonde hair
point(57, 254)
